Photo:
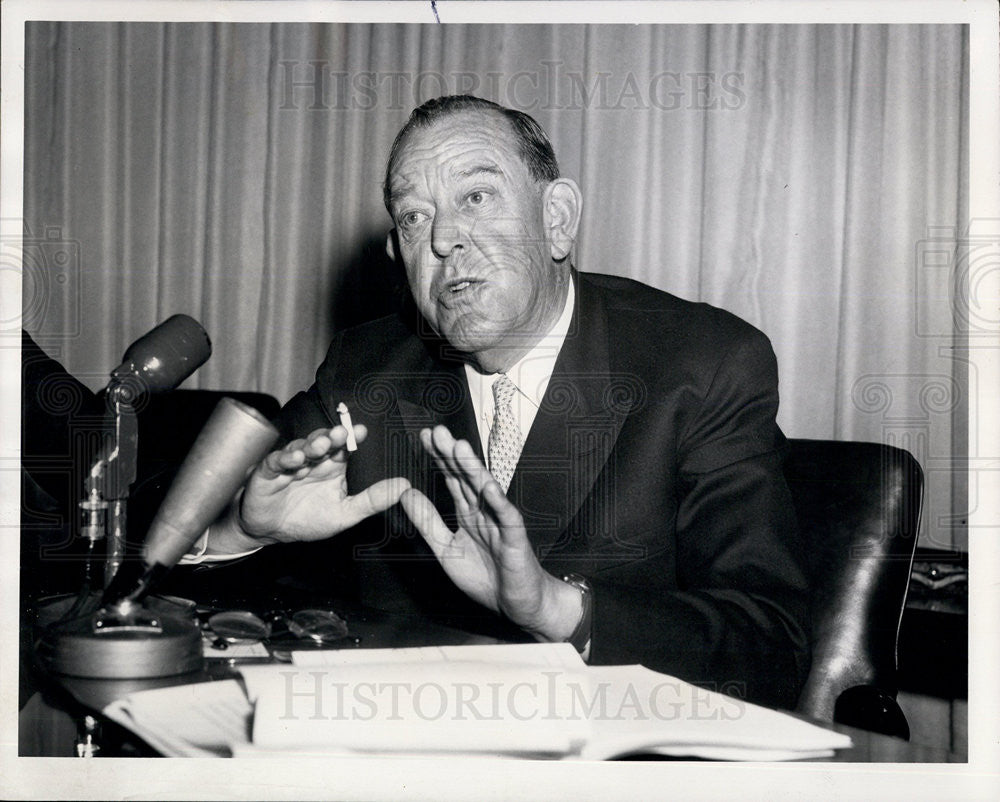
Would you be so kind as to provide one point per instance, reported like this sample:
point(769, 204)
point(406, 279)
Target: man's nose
point(446, 235)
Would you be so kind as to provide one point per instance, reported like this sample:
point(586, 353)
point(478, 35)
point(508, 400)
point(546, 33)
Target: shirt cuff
point(196, 554)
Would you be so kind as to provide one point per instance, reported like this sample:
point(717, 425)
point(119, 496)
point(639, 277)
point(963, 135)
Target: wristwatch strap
point(581, 635)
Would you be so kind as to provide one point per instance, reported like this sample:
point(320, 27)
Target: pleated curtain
point(809, 178)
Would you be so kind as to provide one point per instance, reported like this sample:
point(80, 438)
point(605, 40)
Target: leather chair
point(858, 506)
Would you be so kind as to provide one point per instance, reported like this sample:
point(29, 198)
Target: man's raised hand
point(489, 557)
point(299, 492)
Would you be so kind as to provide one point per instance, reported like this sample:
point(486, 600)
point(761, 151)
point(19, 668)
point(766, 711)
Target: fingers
point(458, 455)
point(438, 452)
point(439, 443)
point(483, 509)
point(299, 456)
point(332, 442)
point(427, 520)
point(459, 461)
point(462, 505)
point(377, 498)
point(472, 467)
point(503, 511)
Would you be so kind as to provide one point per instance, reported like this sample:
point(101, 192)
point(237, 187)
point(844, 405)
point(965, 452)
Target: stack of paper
point(531, 700)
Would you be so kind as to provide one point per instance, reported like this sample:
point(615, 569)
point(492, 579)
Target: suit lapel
point(441, 398)
point(437, 392)
point(574, 431)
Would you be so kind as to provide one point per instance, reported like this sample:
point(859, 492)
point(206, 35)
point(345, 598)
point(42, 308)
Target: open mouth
point(456, 287)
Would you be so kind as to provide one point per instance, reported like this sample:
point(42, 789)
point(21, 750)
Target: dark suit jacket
point(653, 468)
point(60, 418)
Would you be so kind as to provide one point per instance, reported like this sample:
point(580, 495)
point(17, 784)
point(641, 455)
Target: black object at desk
point(934, 635)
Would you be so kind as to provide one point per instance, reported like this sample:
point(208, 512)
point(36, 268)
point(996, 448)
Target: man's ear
point(390, 245)
point(562, 206)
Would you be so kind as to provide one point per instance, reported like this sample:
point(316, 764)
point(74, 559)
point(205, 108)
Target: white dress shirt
point(530, 375)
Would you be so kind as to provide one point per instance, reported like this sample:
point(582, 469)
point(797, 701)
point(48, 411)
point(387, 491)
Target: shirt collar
point(531, 373)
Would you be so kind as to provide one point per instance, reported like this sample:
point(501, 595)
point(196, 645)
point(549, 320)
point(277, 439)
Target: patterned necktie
point(505, 435)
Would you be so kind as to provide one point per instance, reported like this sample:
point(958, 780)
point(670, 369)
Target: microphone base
point(132, 641)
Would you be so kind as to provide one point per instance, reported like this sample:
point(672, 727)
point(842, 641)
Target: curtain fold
point(797, 175)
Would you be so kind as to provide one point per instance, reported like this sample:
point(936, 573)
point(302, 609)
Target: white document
point(523, 700)
point(206, 719)
point(555, 655)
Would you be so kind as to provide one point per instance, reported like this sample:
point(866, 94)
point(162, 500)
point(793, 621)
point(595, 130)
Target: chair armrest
point(873, 709)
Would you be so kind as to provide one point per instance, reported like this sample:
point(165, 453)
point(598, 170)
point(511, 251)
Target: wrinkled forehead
point(456, 146)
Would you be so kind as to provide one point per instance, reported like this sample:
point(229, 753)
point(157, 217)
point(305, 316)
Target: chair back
point(858, 506)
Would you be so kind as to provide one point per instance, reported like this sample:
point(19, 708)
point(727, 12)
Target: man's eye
point(477, 198)
point(410, 219)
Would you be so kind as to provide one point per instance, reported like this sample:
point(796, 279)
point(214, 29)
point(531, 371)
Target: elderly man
point(633, 502)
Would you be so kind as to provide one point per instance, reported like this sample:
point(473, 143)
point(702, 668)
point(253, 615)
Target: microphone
point(131, 640)
point(156, 362)
point(235, 438)
point(164, 357)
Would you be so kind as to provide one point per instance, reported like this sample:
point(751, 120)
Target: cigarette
point(345, 421)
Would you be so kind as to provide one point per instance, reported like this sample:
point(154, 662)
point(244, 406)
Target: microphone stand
point(117, 636)
point(118, 475)
point(106, 489)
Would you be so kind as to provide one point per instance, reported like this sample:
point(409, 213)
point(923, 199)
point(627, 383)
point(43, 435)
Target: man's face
point(471, 234)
